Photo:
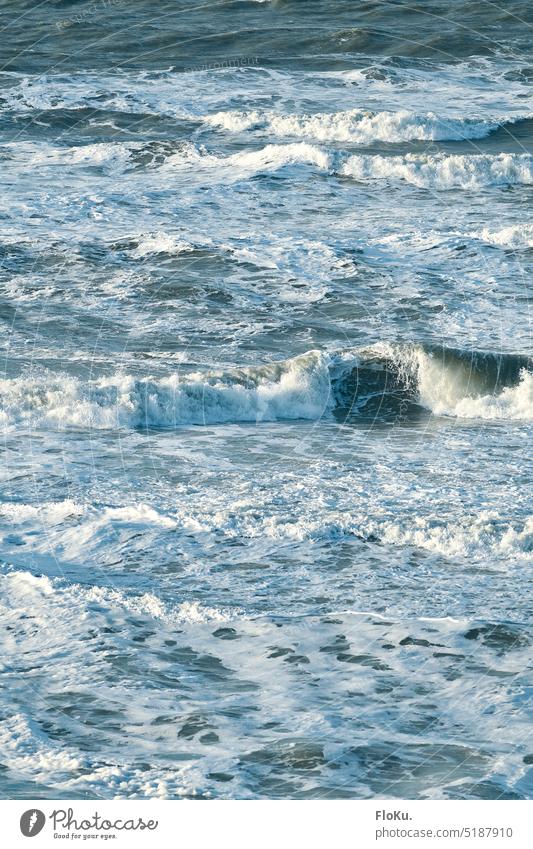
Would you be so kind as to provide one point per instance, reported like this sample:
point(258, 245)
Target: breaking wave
point(359, 126)
point(294, 389)
point(513, 237)
point(444, 172)
point(437, 171)
point(115, 158)
point(248, 162)
point(381, 381)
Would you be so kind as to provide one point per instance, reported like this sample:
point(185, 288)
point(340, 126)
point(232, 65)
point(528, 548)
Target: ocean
point(266, 399)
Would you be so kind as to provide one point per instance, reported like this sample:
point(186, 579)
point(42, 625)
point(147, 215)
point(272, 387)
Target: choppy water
point(266, 399)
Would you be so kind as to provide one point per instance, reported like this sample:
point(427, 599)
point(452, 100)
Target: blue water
point(266, 400)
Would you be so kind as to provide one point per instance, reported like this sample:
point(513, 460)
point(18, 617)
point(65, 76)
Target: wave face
point(383, 380)
point(465, 384)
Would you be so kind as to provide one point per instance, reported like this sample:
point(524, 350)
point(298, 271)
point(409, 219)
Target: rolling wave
point(360, 126)
point(438, 171)
point(444, 172)
point(382, 381)
point(479, 86)
point(465, 384)
point(513, 237)
point(249, 162)
point(115, 158)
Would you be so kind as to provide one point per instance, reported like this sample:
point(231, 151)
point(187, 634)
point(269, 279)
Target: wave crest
point(359, 126)
point(443, 172)
point(298, 388)
point(381, 381)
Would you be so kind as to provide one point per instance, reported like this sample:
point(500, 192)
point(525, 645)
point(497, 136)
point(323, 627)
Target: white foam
point(444, 172)
point(248, 162)
point(484, 534)
point(69, 531)
point(358, 126)
point(157, 243)
point(23, 588)
point(521, 539)
point(51, 512)
point(292, 389)
point(515, 236)
point(35, 756)
point(446, 390)
point(149, 605)
point(294, 258)
point(483, 89)
point(114, 156)
point(25, 583)
point(481, 536)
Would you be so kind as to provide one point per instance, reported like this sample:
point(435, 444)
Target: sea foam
point(248, 162)
point(359, 126)
point(469, 171)
point(464, 384)
point(513, 237)
point(293, 389)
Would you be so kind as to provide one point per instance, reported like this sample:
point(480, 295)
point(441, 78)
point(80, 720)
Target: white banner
point(268, 824)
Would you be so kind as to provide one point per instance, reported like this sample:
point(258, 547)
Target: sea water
point(266, 399)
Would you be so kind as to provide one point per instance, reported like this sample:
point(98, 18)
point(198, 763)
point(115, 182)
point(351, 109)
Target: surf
point(384, 381)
